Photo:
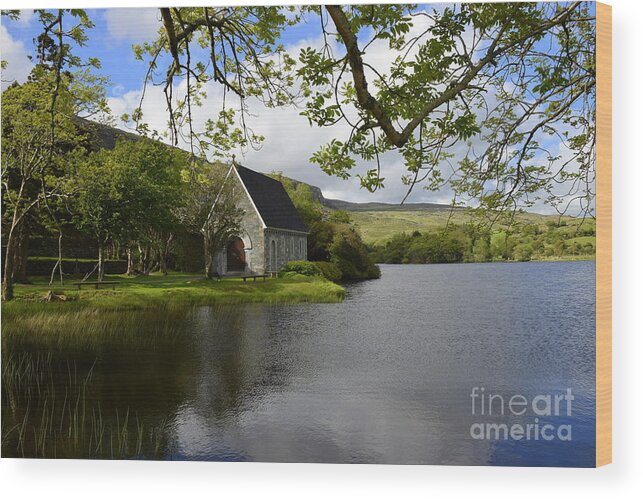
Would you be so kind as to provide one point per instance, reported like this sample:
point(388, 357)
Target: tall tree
point(38, 129)
point(128, 195)
point(28, 159)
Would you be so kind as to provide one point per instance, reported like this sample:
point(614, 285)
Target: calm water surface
point(384, 377)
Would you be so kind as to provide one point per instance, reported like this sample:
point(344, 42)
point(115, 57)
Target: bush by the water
point(332, 236)
point(301, 267)
point(351, 256)
point(330, 271)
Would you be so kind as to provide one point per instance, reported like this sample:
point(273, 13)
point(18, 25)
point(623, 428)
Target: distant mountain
point(339, 204)
point(378, 222)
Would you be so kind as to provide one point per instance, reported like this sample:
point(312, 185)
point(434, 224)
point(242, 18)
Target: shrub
point(523, 252)
point(330, 271)
point(351, 256)
point(301, 267)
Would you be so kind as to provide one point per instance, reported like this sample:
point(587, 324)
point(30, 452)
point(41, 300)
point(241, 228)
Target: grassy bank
point(172, 290)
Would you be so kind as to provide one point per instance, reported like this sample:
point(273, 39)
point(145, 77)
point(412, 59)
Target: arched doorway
point(236, 255)
point(273, 256)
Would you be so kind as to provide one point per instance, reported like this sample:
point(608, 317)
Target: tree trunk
point(144, 259)
point(164, 253)
point(9, 261)
point(59, 262)
point(208, 269)
point(7, 278)
point(163, 261)
point(130, 261)
point(207, 258)
point(101, 268)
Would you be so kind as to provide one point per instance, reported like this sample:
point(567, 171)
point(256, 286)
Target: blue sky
point(290, 140)
point(111, 40)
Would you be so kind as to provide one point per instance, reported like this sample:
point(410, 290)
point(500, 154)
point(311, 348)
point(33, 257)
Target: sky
point(289, 139)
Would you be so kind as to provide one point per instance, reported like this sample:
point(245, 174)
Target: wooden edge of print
point(603, 234)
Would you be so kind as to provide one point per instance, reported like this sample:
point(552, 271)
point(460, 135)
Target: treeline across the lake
point(552, 240)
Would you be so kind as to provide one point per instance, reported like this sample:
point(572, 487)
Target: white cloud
point(26, 16)
point(14, 52)
point(133, 24)
point(290, 140)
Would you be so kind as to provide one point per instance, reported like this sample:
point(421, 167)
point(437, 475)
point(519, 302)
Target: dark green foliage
point(301, 267)
point(340, 216)
point(330, 271)
point(332, 237)
point(188, 252)
point(351, 256)
point(127, 196)
point(467, 243)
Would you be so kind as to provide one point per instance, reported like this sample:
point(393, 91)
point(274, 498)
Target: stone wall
point(44, 266)
point(283, 246)
point(253, 235)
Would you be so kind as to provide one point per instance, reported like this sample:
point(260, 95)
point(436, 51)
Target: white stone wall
point(252, 236)
point(284, 246)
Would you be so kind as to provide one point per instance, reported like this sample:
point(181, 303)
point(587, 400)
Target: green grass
point(174, 289)
point(563, 258)
point(582, 240)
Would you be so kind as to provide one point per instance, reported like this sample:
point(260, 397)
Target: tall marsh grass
point(90, 329)
point(51, 406)
point(47, 414)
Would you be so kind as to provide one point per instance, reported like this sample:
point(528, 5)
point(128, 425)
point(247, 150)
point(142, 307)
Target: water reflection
point(383, 377)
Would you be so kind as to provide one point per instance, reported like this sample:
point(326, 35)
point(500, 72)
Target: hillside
point(338, 204)
point(378, 222)
point(377, 226)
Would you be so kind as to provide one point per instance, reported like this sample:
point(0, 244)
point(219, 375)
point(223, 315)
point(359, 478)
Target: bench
point(96, 284)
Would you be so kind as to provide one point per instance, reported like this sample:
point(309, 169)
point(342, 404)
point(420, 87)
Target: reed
point(37, 424)
point(88, 329)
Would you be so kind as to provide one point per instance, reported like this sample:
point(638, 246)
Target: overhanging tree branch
point(371, 105)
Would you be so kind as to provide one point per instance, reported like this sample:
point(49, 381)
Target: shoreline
point(169, 291)
point(580, 258)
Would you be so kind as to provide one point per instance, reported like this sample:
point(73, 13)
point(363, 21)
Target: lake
point(394, 374)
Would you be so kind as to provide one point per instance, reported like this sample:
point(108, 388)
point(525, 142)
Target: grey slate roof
point(272, 201)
